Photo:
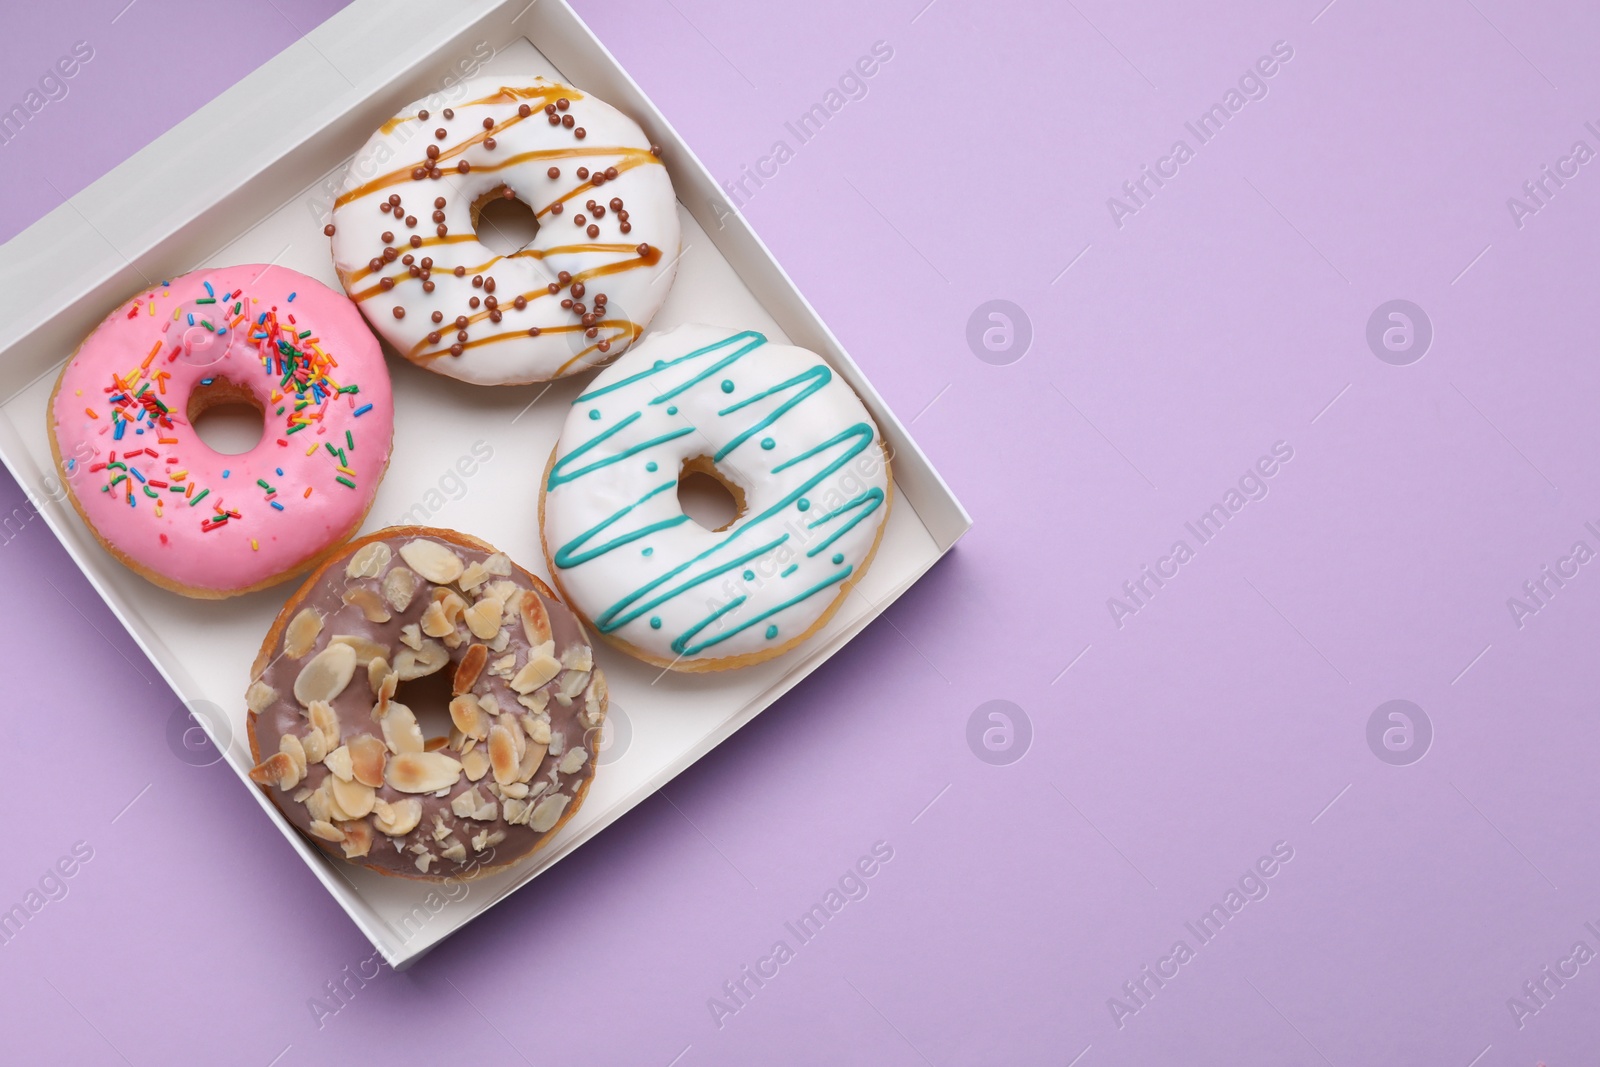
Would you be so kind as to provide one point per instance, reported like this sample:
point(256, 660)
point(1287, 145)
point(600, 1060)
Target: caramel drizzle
point(649, 259)
point(633, 329)
point(531, 253)
point(547, 95)
point(510, 94)
point(622, 326)
point(626, 159)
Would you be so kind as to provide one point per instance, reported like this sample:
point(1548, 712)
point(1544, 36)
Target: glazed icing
point(589, 282)
point(378, 597)
point(157, 495)
point(779, 425)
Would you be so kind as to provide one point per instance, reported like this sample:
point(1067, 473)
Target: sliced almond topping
point(483, 618)
point(386, 688)
point(353, 797)
point(339, 762)
point(325, 675)
point(453, 604)
point(578, 658)
point(319, 805)
point(474, 576)
point(536, 672)
point(278, 769)
point(326, 830)
point(503, 755)
point(474, 805)
point(260, 696)
point(399, 586)
point(538, 729)
point(529, 764)
point(468, 716)
point(499, 563)
point(301, 632)
point(315, 746)
point(455, 851)
point(474, 764)
point(377, 670)
point(432, 560)
point(369, 561)
point(508, 723)
point(365, 647)
point(573, 760)
point(547, 812)
point(411, 664)
point(573, 682)
point(435, 744)
point(515, 789)
point(357, 839)
point(422, 772)
point(425, 861)
point(535, 620)
point(369, 602)
point(469, 668)
point(326, 720)
point(400, 730)
point(290, 744)
point(514, 809)
point(398, 818)
point(411, 635)
point(367, 757)
point(434, 621)
point(464, 804)
point(535, 701)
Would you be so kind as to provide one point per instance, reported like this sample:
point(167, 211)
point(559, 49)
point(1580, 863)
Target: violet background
point(1228, 314)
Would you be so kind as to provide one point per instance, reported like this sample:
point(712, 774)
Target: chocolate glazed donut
point(349, 765)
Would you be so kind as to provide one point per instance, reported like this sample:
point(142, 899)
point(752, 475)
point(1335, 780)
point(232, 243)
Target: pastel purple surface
point(1172, 724)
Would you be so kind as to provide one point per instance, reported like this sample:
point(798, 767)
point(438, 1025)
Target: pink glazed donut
point(161, 500)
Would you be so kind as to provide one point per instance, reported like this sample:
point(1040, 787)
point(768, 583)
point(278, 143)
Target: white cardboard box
point(306, 112)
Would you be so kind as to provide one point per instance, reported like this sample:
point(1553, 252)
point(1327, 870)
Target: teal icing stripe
point(609, 622)
point(681, 644)
point(857, 437)
point(682, 639)
point(662, 365)
point(716, 367)
point(559, 475)
point(816, 377)
point(873, 495)
point(571, 554)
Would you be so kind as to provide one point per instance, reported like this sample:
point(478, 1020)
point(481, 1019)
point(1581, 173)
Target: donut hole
point(227, 417)
point(504, 224)
point(707, 496)
point(428, 698)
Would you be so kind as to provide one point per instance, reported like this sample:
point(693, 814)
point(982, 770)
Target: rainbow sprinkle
point(290, 355)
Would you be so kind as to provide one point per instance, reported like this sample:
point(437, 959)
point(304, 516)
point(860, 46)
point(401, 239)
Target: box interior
point(660, 722)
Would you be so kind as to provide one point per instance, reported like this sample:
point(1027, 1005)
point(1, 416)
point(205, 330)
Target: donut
point(160, 499)
point(406, 246)
point(787, 437)
point(354, 769)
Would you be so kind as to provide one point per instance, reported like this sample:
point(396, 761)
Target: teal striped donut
point(777, 426)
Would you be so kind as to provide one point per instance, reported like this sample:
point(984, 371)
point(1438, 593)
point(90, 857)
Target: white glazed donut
point(793, 444)
point(407, 251)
